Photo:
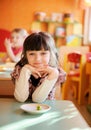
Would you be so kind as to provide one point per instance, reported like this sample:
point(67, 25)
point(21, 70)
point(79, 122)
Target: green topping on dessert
point(38, 107)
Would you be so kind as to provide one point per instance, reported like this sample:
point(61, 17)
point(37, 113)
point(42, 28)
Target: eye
point(43, 53)
point(31, 54)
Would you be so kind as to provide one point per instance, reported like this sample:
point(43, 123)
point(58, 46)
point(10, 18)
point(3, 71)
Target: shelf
point(59, 30)
point(75, 22)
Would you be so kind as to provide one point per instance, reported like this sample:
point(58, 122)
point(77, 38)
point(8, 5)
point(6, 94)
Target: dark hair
point(38, 41)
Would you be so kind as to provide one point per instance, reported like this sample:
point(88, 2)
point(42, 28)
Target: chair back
point(75, 66)
point(72, 63)
point(3, 34)
point(63, 50)
point(74, 57)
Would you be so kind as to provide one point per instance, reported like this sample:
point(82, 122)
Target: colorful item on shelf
point(68, 17)
point(36, 26)
point(60, 32)
point(57, 17)
point(40, 16)
point(73, 40)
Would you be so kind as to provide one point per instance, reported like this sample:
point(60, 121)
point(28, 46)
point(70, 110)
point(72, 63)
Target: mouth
point(38, 64)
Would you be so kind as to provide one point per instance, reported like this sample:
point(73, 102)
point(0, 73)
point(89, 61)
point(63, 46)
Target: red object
point(74, 57)
point(3, 34)
point(88, 56)
point(17, 50)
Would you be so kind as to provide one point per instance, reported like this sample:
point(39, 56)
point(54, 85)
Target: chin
point(38, 66)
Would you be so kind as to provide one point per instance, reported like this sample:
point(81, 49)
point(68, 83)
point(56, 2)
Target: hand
point(43, 71)
point(33, 71)
point(7, 43)
point(51, 72)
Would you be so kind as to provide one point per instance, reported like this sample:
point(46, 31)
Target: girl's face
point(17, 39)
point(38, 58)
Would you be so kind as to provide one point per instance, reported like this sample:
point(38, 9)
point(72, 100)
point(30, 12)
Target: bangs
point(36, 42)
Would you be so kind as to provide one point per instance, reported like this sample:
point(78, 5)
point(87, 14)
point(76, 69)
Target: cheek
point(47, 59)
point(19, 41)
point(30, 60)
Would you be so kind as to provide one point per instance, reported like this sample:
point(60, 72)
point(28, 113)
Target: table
point(88, 72)
point(62, 116)
point(6, 84)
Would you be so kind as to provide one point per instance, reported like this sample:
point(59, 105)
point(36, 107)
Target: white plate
point(32, 108)
point(7, 67)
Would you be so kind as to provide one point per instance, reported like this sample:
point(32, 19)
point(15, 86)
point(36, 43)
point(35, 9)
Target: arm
point(12, 56)
point(21, 92)
point(42, 92)
point(20, 78)
point(10, 53)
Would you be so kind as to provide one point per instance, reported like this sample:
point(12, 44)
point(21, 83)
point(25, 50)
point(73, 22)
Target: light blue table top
point(6, 69)
point(5, 74)
point(62, 116)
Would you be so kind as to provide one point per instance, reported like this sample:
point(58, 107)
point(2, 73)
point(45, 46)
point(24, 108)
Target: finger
point(37, 73)
point(36, 76)
point(44, 74)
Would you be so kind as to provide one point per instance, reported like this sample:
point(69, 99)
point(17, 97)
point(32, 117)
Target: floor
point(82, 108)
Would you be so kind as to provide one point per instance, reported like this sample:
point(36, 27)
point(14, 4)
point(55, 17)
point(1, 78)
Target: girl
point(14, 45)
point(37, 73)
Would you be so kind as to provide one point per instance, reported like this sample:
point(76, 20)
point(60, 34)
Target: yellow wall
point(19, 13)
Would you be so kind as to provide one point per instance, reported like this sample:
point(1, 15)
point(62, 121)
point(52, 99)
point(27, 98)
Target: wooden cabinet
point(6, 85)
point(6, 88)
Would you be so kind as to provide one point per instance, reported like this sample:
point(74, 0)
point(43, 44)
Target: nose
point(38, 57)
point(13, 40)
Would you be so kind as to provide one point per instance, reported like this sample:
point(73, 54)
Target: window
point(87, 27)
